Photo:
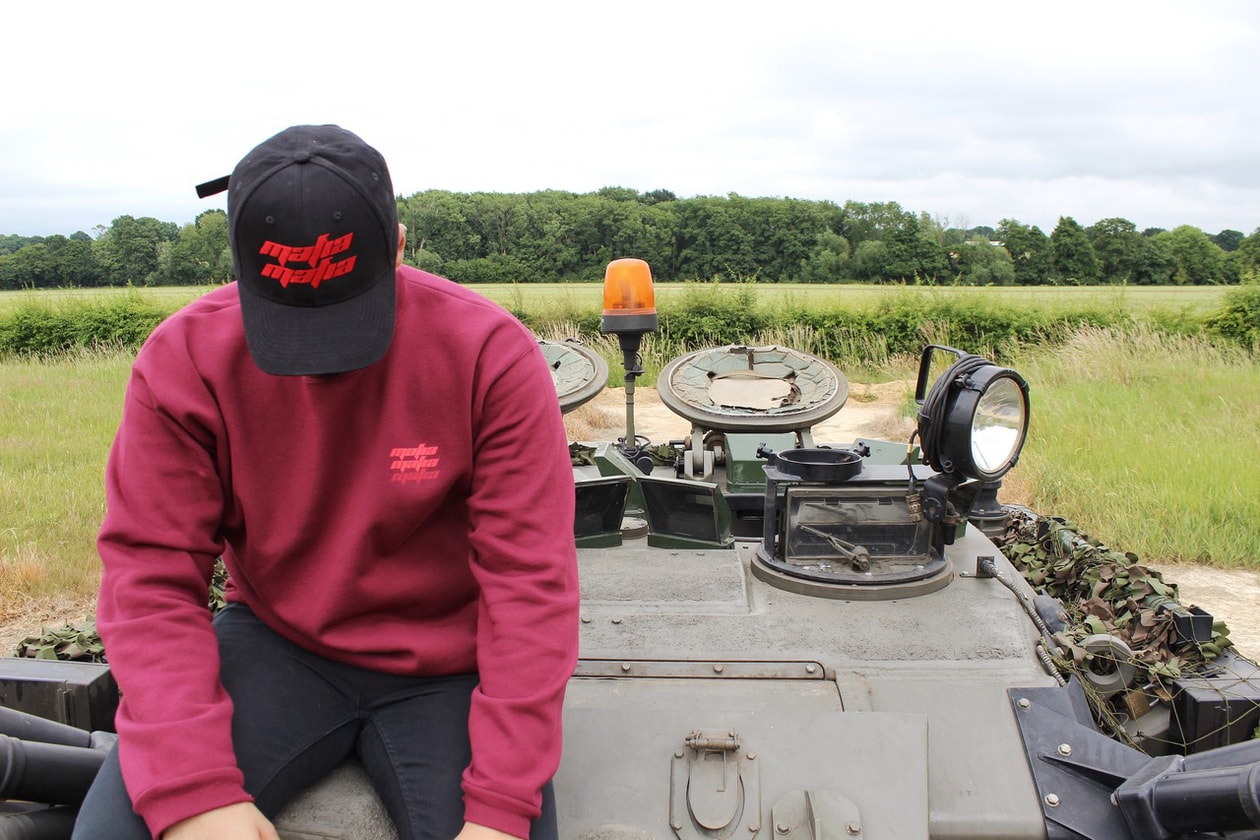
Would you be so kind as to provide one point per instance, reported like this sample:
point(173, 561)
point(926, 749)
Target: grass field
point(57, 419)
point(1145, 440)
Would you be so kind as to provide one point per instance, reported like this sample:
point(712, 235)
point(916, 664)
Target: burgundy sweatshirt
point(413, 517)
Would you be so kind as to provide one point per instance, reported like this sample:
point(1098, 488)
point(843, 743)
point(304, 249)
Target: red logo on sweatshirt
point(317, 256)
point(414, 463)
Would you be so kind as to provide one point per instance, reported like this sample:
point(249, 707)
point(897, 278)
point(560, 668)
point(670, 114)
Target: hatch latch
point(714, 787)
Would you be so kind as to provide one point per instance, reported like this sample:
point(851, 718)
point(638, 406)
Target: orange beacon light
point(629, 300)
point(629, 312)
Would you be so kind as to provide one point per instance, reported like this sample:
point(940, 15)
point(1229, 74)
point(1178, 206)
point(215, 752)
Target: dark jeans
point(297, 716)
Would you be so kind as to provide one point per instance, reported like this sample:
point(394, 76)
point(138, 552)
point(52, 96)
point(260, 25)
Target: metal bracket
point(815, 815)
point(714, 789)
point(1075, 767)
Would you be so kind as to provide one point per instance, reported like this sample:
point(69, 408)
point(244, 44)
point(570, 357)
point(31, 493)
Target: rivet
point(853, 828)
point(1024, 703)
point(717, 669)
point(625, 666)
point(1065, 749)
point(616, 621)
point(677, 826)
point(811, 668)
point(1052, 799)
point(678, 753)
point(781, 828)
point(586, 619)
point(752, 756)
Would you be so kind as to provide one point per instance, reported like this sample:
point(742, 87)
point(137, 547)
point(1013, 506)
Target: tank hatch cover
point(735, 387)
point(578, 372)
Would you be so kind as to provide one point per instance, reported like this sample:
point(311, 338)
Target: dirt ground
point(871, 411)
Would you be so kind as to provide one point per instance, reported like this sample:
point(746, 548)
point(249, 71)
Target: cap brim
point(287, 340)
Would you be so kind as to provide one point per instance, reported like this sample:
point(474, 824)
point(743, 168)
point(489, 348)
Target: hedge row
point(706, 315)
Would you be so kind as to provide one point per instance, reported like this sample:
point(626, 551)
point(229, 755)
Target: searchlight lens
point(998, 427)
point(974, 420)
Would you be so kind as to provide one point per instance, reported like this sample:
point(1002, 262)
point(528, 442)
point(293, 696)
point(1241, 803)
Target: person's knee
point(106, 812)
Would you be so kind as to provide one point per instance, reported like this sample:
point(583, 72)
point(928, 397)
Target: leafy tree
point(606, 230)
point(1118, 247)
point(1155, 263)
point(860, 222)
point(1248, 253)
point(438, 221)
point(128, 251)
point(619, 193)
point(870, 260)
point(782, 231)
point(657, 197)
point(1073, 257)
point(828, 261)
point(1228, 240)
point(11, 243)
point(1197, 261)
point(199, 255)
point(911, 249)
point(496, 268)
point(496, 219)
point(981, 263)
point(32, 267)
point(544, 239)
point(76, 262)
point(1029, 249)
point(710, 242)
point(914, 251)
point(53, 261)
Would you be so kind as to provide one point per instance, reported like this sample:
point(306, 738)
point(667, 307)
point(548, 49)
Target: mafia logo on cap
point(318, 256)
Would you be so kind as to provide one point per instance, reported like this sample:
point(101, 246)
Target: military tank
point(790, 638)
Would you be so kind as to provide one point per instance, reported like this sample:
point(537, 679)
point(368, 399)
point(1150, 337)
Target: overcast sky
point(971, 112)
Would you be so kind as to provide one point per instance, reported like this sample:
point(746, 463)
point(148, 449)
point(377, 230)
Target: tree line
point(554, 236)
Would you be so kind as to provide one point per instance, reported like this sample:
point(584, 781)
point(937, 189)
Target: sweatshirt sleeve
point(158, 545)
point(525, 561)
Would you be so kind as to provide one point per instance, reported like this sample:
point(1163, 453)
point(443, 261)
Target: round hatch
point(768, 389)
point(578, 372)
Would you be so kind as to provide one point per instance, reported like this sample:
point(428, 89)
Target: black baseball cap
point(313, 225)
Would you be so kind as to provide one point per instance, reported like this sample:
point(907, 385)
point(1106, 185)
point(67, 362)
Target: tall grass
point(57, 419)
point(1147, 441)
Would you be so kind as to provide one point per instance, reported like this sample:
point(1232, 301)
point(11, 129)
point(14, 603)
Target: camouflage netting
point(74, 642)
point(1108, 593)
point(81, 643)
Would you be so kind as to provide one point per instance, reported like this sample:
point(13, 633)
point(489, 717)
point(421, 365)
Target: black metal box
point(1218, 709)
point(79, 694)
